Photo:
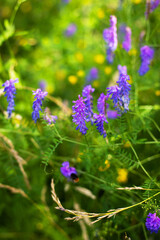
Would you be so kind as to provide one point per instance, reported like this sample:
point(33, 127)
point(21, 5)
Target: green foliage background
point(33, 47)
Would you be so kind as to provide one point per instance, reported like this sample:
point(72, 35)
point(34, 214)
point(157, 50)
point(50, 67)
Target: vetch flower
point(10, 91)
point(87, 91)
point(150, 6)
point(146, 55)
point(71, 30)
point(112, 114)
point(42, 85)
point(80, 115)
point(152, 223)
point(37, 104)
point(92, 75)
point(69, 172)
point(50, 119)
point(122, 70)
point(101, 103)
point(127, 39)
point(99, 121)
point(110, 37)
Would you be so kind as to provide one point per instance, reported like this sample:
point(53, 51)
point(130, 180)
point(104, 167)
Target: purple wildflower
point(71, 29)
point(122, 70)
point(120, 94)
point(48, 117)
point(127, 39)
point(112, 114)
point(110, 55)
point(110, 37)
point(146, 55)
point(67, 171)
point(150, 6)
point(92, 75)
point(88, 100)
point(10, 90)
point(42, 85)
point(65, 1)
point(39, 96)
point(152, 223)
point(101, 103)
point(80, 114)
point(99, 120)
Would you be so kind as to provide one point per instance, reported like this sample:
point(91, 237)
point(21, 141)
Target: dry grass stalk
point(14, 190)
point(10, 148)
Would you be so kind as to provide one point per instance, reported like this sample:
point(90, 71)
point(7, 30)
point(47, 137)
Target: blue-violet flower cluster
point(10, 91)
point(153, 223)
point(50, 119)
point(150, 6)
point(127, 39)
point(87, 91)
point(37, 104)
point(68, 171)
point(80, 116)
point(71, 30)
point(99, 121)
point(146, 55)
point(110, 37)
point(92, 75)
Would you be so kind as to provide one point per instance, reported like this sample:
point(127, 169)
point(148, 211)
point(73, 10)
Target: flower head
point(92, 75)
point(69, 172)
point(71, 29)
point(122, 70)
point(39, 96)
point(112, 114)
point(87, 91)
point(110, 55)
point(153, 223)
point(50, 119)
point(99, 121)
point(10, 91)
point(101, 103)
point(150, 6)
point(127, 39)
point(146, 55)
point(80, 115)
point(42, 85)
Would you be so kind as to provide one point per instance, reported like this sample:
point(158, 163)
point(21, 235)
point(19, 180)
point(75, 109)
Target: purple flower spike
point(71, 29)
point(39, 96)
point(152, 223)
point(127, 39)
point(88, 100)
point(92, 75)
point(122, 70)
point(150, 6)
point(69, 172)
point(110, 37)
point(42, 85)
point(110, 34)
point(120, 94)
point(101, 103)
point(50, 119)
point(10, 90)
point(99, 120)
point(80, 114)
point(146, 55)
point(111, 114)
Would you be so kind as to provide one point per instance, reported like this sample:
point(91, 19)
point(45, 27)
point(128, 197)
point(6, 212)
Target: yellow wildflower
point(72, 79)
point(80, 73)
point(107, 165)
point(127, 144)
point(100, 14)
point(60, 74)
point(132, 52)
point(122, 175)
point(130, 81)
point(108, 70)
point(136, 1)
point(79, 57)
point(157, 93)
point(99, 58)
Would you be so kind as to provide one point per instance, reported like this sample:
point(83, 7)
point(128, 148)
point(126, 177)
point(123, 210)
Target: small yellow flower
point(157, 93)
point(80, 73)
point(96, 84)
point(72, 79)
point(136, 1)
point(108, 70)
point(130, 81)
point(79, 157)
point(132, 52)
point(79, 57)
point(99, 58)
point(107, 165)
point(127, 144)
point(122, 175)
point(100, 14)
